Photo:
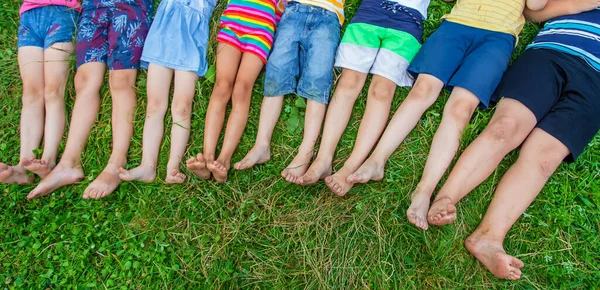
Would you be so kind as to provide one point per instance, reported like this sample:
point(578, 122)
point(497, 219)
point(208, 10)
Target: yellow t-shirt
point(336, 6)
point(496, 15)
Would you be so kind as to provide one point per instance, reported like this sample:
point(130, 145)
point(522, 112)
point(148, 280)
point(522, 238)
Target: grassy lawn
point(259, 231)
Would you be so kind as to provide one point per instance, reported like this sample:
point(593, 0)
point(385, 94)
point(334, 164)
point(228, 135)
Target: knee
point(349, 84)
point(502, 129)
point(33, 94)
point(546, 157)
point(242, 92)
point(460, 110)
point(422, 93)
point(121, 81)
point(181, 110)
point(222, 89)
point(156, 105)
point(85, 82)
point(381, 93)
point(53, 91)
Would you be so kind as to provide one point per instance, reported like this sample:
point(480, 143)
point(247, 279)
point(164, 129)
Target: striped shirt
point(336, 6)
point(495, 15)
point(577, 35)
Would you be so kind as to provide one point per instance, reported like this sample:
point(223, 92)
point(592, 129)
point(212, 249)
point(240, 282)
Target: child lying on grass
point(45, 46)
point(245, 39)
point(301, 63)
point(111, 33)
point(382, 39)
point(176, 50)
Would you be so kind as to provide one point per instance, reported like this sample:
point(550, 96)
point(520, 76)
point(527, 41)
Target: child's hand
point(536, 5)
point(579, 6)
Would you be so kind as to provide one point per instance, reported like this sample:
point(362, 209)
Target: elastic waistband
point(305, 8)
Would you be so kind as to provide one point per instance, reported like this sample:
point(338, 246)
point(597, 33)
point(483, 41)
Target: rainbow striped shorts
point(249, 25)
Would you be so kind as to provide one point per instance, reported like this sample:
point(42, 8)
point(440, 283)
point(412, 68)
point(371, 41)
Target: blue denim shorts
point(47, 25)
point(467, 57)
point(303, 54)
point(178, 37)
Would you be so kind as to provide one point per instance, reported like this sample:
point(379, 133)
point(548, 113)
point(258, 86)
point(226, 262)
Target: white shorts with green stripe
point(386, 52)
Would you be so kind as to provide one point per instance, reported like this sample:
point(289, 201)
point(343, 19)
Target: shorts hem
point(572, 154)
point(279, 93)
point(242, 49)
point(317, 99)
point(352, 66)
point(150, 60)
point(400, 81)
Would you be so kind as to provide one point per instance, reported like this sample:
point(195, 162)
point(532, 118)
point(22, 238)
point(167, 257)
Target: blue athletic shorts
point(467, 57)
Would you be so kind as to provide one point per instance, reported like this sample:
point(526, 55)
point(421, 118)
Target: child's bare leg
point(313, 120)
point(509, 126)
point(124, 101)
point(250, 68)
point(181, 109)
point(228, 61)
point(158, 88)
point(338, 114)
point(457, 114)
point(540, 155)
point(536, 5)
point(88, 81)
point(424, 93)
point(31, 66)
point(379, 101)
point(56, 70)
point(261, 151)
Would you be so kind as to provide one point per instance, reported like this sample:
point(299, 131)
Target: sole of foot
point(369, 171)
point(494, 258)
point(297, 168)
point(339, 184)
point(145, 174)
point(14, 175)
point(318, 170)
point(442, 212)
point(256, 156)
point(417, 212)
point(218, 170)
point(36, 166)
point(174, 177)
point(57, 178)
point(197, 165)
point(103, 185)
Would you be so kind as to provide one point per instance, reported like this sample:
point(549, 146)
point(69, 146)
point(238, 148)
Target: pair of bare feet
point(18, 174)
point(204, 168)
point(420, 214)
point(63, 174)
point(300, 171)
point(147, 174)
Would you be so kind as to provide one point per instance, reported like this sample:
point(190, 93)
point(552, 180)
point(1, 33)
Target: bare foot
point(37, 166)
point(257, 155)
point(318, 170)
point(219, 170)
point(297, 167)
point(104, 184)
point(197, 165)
point(57, 178)
point(442, 212)
point(370, 170)
point(146, 174)
point(174, 177)
point(338, 184)
point(14, 174)
point(492, 255)
point(417, 212)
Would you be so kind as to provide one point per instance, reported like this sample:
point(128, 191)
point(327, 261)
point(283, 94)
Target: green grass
point(257, 231)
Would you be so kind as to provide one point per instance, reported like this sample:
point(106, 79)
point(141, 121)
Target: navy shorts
point(303, 54)
point(561, 90)
point(47, 25)
point(467, 57)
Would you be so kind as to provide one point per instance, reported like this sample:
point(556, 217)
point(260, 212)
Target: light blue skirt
point(178, 37)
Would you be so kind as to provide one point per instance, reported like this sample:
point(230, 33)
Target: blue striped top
point(577, 34)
